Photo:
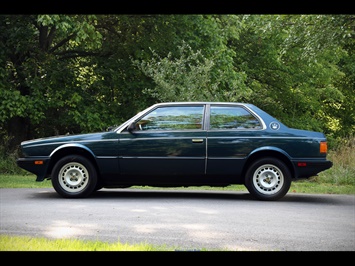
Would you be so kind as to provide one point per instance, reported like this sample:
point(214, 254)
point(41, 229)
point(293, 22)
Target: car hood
point(65, 138)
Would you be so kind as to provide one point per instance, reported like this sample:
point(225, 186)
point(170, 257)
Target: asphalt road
point(185, 220)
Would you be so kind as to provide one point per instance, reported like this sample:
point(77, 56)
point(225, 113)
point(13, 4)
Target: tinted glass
point(172, 118)
point(225, 117)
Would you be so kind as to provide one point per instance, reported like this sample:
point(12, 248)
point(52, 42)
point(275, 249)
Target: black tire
point(74, 176)
point(268, 179)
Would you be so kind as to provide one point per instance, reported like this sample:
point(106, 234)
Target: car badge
point(274, 126)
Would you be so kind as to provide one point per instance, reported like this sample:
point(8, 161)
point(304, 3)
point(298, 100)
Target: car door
point(167, 144)
point(233, 132)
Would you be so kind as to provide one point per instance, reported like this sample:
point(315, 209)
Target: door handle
point(197, 140)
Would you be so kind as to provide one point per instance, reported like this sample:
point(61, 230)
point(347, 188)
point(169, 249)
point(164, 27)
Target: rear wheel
point(268, 179)
point(74, 176)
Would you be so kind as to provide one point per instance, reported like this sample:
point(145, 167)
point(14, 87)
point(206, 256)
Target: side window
point(232, 117)
point(172, 118)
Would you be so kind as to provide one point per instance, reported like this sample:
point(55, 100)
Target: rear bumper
point(309, 168)
point(35, 165)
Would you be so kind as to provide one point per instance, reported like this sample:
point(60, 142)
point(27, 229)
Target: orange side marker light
point(38, 162)
point(323, 147)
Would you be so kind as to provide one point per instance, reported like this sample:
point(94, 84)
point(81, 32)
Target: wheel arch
point(70, 149)
point(269, 152)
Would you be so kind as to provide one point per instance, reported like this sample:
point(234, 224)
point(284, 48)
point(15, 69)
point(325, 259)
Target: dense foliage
point(79, 73)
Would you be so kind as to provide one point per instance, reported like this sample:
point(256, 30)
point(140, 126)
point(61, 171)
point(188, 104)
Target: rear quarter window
point(232, 117)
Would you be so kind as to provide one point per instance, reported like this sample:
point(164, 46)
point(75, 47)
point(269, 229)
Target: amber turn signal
point(38, 162)
point(323, 147)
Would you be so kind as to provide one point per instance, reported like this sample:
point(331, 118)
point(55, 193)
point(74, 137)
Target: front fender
point(71, 145)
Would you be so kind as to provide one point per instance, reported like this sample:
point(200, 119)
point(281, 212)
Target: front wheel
point(268, 179)
point(74, 176)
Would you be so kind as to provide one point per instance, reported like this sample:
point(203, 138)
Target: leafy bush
point(343, 158)
point(8, 158)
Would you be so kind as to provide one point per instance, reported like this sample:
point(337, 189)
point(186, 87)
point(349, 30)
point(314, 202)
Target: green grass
point(26, 243)
point(22, 181)
point(311, 186)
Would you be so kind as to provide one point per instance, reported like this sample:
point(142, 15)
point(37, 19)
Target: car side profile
point(181, 144)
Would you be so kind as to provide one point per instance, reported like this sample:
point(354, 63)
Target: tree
point(39, 59)
point(291, 65)
point(80, 73)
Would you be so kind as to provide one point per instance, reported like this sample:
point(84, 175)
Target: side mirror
point(110, 128)
point(131, 127)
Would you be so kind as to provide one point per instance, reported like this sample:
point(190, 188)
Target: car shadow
point(129, 193)
point(176, 194)
point(212, 194)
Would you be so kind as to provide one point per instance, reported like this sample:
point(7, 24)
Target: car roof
point(202, 102)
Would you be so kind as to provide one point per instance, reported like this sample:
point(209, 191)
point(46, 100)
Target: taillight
point(323, 147)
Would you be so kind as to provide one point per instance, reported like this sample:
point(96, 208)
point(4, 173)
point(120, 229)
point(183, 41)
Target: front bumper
point(35, 165)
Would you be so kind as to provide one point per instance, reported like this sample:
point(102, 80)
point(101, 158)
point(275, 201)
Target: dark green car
point(181, 144)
